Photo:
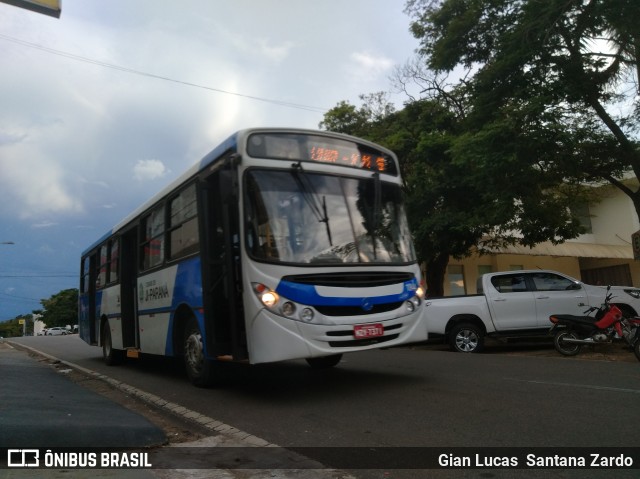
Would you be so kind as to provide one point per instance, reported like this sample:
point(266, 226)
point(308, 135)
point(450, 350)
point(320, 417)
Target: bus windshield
point(293, 216)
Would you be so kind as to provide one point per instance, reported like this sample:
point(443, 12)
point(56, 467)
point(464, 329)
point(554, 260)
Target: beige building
point(603, 255)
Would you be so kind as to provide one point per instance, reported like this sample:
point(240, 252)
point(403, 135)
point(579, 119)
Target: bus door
point(128, 283)
point(221, 273)
point(88, 329)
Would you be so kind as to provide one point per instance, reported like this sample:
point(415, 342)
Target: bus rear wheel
point(199, 369)
point(324, 362)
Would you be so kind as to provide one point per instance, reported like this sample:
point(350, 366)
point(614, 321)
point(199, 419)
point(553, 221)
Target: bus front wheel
point(324, 362)
point(198, 367)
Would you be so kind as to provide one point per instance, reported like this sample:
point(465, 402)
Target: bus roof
point(229, 144)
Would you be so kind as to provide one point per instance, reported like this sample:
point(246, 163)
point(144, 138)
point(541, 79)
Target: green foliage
point(564, 74)
point(467, 189)
point(61, 309)
point(12, 328)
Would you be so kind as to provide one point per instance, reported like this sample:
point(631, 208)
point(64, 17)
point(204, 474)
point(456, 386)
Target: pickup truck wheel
point(466, 338)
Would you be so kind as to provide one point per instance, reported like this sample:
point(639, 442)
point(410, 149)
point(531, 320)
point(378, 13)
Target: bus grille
point(351, 280)
point(362, 342)
point(357, 310)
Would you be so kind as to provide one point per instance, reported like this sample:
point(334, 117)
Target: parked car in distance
point(517, 304)
point(57, 331)
point(43, 332)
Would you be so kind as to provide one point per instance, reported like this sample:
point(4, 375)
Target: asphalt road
point(403, 397)
point(70, 415)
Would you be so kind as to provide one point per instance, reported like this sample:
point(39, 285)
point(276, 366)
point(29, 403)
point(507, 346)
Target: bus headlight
point(288, 308)
point(413, 303)
point(267, 296)
point(307, 315)
point(282, 306)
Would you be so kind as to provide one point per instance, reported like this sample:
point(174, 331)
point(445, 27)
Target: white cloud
point(34, 183)
point(370, 64)
point(44, 224)
point(145, 170)
point(275, 53)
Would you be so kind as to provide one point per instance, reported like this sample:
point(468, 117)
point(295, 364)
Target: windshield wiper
point(319, 209)
point(377, 207)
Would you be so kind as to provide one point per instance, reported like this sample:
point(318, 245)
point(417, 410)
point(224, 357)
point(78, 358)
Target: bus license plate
point(361, 331)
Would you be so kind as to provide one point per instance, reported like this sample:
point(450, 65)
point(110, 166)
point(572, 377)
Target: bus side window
point(153, 243)
point(85, 274)
point(101, 277)
point(183, 224)
point(114, 255)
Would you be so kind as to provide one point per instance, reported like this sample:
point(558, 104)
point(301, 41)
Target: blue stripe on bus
point(307, 294)
point(188, 284)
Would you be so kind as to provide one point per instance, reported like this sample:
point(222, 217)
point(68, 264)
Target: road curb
point(229, 432)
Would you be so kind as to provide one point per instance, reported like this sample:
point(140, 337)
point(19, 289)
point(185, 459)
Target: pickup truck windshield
point(299, 217)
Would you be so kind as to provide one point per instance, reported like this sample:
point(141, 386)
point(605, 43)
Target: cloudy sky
point(104, 106)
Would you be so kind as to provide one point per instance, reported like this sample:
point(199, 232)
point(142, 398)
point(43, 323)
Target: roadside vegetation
point(513, 107)
point(61, 309)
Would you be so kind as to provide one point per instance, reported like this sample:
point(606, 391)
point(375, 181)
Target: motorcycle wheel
point(636, 349)
point(566, 349)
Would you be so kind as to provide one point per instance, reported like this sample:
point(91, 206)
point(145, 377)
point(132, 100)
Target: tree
point(13, 328)
point(61, 309)
point(456, 200)
point(565, 72)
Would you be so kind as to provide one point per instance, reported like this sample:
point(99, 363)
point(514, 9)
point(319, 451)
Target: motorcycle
point(607, 325)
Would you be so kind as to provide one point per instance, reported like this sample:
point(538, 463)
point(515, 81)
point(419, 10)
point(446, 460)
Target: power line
point(39, 275)
point(21, 299)
point(92, 61)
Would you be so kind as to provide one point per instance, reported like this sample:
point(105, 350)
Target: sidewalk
point(41, 408)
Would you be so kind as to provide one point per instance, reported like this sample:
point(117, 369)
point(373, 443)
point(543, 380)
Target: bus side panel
point(155, 297)
point(188, 285)
point(154, 330)
point(277, 339)
point(109, 307)
point(84, 320)
point(160, 295)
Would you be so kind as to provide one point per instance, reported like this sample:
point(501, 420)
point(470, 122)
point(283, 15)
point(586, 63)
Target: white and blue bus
point(279, 244)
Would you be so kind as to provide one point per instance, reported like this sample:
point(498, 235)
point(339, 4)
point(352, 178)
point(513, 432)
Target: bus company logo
point(23, 458)
point(151, 291)
point(366, 304)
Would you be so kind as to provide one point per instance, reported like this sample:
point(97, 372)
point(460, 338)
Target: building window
point(456, 280)
point(583, 215)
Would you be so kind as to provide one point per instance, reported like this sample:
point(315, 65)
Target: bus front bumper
point(279, 338)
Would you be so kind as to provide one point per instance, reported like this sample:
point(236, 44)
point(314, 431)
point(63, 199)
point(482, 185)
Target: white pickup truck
point(516, 304)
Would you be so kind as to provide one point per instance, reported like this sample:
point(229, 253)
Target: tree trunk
point(435, 274)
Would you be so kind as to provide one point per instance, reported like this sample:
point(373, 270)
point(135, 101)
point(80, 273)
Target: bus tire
point(111, 356)
point(199, 369)
point(324, 362)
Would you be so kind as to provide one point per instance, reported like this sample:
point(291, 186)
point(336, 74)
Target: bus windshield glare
point(293, 216)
